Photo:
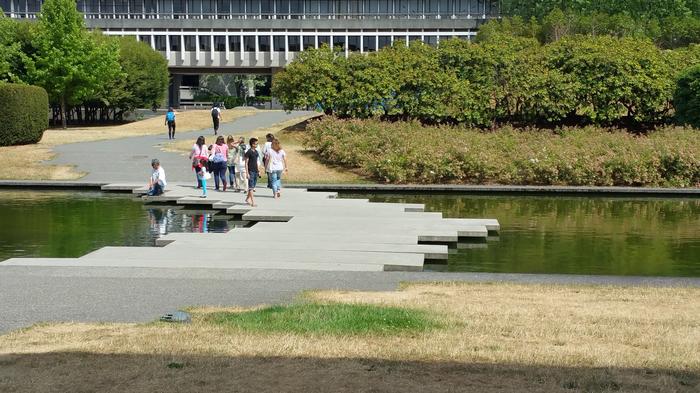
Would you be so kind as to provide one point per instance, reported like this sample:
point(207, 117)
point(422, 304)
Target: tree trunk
point(63, 112)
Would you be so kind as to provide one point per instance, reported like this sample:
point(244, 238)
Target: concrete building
point(261, 36)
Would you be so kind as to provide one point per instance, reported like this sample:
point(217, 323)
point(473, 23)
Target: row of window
point(271, 8)
point(267, 43)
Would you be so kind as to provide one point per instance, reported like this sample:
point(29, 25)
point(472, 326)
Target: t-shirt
point(220, 153)
point(170, 116)
point(252, 157)
point(198, 153)
point(215, 112)
point(158, 176)
point(276, 159)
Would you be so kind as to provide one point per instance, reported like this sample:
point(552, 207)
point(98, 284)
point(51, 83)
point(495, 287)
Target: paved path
point(36, 294)
point(129, 159)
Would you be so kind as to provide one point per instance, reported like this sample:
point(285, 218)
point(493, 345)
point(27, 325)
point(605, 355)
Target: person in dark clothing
point(216, 117)
point(251, 166)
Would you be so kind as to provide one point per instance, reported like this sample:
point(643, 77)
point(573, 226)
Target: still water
point(573, 235)
point(73, 223)
point(539, 234)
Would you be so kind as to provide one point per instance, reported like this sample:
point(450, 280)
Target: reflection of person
point(251, 167)
point(170, 121)
point(156, 184)
point(216, 117)
point(276, 164)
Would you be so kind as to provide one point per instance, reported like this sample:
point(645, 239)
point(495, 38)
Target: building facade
point(261, 36)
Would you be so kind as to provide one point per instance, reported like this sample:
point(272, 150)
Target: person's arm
point(245, 159)
point(284, 158)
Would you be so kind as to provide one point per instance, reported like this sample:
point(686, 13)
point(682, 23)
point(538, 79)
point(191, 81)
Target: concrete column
point(182, 44)
point(211, 45)
point(174, 91)
point(257, 47)
point(167, 47)
point(376, 42)
point(196, 48)
point(346, 46)
point(286, 47)
point(240, 37)
point(227, 48)
point(153, 41)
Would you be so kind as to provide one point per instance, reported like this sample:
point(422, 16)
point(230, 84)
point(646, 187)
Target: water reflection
point(71, 224)
point(573, 235)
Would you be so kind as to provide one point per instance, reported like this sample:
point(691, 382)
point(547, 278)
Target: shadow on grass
point(88, 372)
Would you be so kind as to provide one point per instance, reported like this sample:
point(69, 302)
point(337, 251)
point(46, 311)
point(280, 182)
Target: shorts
point(252, 180)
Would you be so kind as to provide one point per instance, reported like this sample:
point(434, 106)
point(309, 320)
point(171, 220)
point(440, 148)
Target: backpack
point(170, 116)
point(215, 112)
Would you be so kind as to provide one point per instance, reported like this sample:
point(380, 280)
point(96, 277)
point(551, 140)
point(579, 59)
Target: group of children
point(244, 164)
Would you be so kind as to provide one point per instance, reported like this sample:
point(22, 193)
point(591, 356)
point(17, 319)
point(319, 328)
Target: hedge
point(24, 113)
point(408, 152)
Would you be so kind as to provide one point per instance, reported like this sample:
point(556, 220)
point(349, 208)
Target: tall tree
point(69, 63)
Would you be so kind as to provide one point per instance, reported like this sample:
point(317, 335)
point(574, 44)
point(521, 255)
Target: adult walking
point(276, 164)
point(252, 157)
point(231, 160)
point(216, 117)
point(170, 122)
point(241, 183)
point(219, 158)
point(199, 152)
point(266, 149)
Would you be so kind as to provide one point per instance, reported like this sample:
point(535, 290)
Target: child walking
point(251, 167)
point(202, 176)
point(241, 174)
point(276, 164)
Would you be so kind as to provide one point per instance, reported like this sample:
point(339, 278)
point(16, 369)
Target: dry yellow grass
point(30, 157)
point(502, 338)
point(303, 166)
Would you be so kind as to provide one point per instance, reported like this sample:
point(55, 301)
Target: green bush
point(687, 97)
point(408, 152)
point(24, 113)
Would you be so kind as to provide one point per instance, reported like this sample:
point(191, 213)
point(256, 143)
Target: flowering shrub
point(408, 152)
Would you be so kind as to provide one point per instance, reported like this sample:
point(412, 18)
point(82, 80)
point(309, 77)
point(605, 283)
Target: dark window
point(149, 7)
point(296, 8)
point(220, 43)
point(462, 7)
point(190, 43)
point(145, 38)
point(325, 9)
point(311, 8)
point(384, 8)
point(355, 7)
point(341, 7)
point(106, 6)
point(121, 7)
point(234, 43)
point(252, 8)
point(190, 80)
point(135, 6)
point(445, 37)
point(165, 7)
point(369, 43)
point(324, 39)
point(354, 43)
point(223, 8)
point(179, 7)
point(160, 44)
point(237, 8)
point(430, 40)
point(294, 43)
point(477, 7)
point(309, 42)
point(398, 38)
point(401, 7)
point(339, 42)
point(266, 8)
point(415, 8)
point(445, 8)
point(278, 42)
point(175, 43)
point(249, 43)
point(194, 7)
point(205, 43)
point(264, 43)
point(384, 41)
point(208, 8)
point(282, 7)
point(414, 38)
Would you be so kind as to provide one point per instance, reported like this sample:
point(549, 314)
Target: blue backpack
point(170, 116)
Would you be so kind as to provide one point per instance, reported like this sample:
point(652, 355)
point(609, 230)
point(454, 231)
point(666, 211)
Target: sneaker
point(202, 196)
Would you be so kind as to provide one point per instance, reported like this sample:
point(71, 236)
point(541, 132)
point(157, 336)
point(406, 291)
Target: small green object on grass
point(341, 319)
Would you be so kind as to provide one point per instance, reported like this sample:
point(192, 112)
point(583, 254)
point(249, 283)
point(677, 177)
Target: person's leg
point(196, 177)
point(231, 175)
point(157, 189)
point(204, 187)
point(278, 186)
point(273, 181)
point(173, 130)
point(215, 169)
point(223, 175)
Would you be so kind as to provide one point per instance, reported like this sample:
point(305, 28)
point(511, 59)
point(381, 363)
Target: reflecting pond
point(73, 223)
point(576, 235)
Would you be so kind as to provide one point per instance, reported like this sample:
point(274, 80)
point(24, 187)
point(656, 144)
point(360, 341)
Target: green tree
point(615, 78)
point(68, 62)
point(311, 80)
point(146, 75)
point(15, 45)
point(686, 98)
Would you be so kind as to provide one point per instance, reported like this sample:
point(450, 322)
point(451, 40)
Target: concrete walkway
point(129, 159)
